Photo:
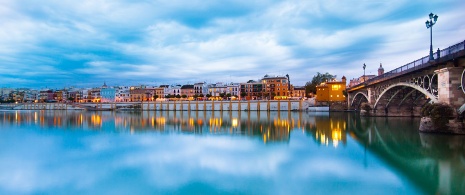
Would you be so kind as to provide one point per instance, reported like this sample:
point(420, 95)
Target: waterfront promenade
point(254, 105)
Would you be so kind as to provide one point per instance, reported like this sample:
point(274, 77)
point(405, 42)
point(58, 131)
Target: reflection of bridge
point(436, 163)
point(404, 90)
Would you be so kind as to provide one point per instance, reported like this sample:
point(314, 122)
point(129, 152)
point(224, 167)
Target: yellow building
point(331, 91)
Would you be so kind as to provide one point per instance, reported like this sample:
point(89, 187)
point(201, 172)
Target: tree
point(222, 95)
point(243, 94)
point(228, 95)
point(195, 96)
point(209, 95)
point(155, 97)
point(184, 96)
point(310, 87)
point(71, 98)
point(178, 96)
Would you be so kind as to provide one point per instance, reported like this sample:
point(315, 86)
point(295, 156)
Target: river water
point(166, 152)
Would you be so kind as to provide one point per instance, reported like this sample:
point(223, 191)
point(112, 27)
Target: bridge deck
point(450, 53)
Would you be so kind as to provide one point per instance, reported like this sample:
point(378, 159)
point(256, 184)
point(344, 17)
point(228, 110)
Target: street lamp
point(429, 24)
point(364, 78)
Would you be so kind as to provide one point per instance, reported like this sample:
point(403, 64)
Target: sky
point(64, 43)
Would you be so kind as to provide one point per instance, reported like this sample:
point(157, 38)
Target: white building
point(201, 89)
point(122, 94)
point(233, 89)
point(216, 89)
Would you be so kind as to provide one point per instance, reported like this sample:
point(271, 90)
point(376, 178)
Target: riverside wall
point(272, 105)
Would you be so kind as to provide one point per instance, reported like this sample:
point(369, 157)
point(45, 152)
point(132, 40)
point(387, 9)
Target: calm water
point(224, 153)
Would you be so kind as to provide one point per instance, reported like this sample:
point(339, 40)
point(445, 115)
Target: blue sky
point(60, 43)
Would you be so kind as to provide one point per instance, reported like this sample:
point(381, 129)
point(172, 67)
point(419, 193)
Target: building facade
point(332, 91)
point(276, 87)
point(251, 90)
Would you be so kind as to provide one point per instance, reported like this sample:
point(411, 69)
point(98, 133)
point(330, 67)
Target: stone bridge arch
point(361, 95)
point(411, 87)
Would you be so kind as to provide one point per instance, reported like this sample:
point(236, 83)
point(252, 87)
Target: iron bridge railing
point(415, 65)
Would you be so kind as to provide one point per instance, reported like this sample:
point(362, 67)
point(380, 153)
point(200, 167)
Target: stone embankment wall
point(334, 106)
point(273, 105)
point(226, 105)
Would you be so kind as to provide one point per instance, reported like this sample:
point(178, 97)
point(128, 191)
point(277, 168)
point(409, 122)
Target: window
point(336, 87)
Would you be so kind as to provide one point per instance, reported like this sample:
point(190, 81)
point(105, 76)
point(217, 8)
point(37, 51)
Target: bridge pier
point(449, 86)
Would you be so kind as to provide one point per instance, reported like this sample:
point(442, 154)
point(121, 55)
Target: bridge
point(404, 90)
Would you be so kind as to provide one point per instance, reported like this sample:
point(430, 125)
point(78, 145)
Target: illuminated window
point(336, 87)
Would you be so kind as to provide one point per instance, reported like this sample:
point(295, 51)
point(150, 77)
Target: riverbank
point(271, 105)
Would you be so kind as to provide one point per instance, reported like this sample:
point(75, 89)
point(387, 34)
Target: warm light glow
point(96, 120)
point(234, 122)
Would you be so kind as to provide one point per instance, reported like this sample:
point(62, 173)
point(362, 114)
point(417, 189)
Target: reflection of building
point(267, 126)
point(331, 91)
point(330, 131)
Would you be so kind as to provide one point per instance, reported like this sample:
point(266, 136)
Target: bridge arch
point(357, 94)
point(428, 94)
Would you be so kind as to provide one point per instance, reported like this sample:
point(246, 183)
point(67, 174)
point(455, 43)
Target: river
point(167, 152)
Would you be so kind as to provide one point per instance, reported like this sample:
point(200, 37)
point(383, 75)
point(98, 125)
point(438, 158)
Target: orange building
point(276, 87)
point(331, 91)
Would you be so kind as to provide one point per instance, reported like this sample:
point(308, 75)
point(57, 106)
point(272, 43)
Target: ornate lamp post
point(364, 78)
point(429, 24)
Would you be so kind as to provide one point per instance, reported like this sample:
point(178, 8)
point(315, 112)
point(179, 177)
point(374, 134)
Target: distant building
point(46, 95)
point(380, 69)
point(200, 89)
point(108, 94)
point(159, 92)
point(251, 90)
point(361, 79)
point(188, 91)
point(233, 89)
point(174, 90)
point(276, 87)
point(141, 93)
point(215, 90)
point(94, 95)
point(331, 91)
point(122, 94)
point(298, 92)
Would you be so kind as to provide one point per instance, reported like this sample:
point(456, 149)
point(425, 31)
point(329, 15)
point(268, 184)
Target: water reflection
point(433, 161)
point(311, 149)
point(267, 126)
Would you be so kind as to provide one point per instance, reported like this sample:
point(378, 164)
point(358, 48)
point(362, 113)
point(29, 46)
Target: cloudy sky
point(61, 43)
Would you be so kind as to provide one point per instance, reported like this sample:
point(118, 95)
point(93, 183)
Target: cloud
point(180, 41)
